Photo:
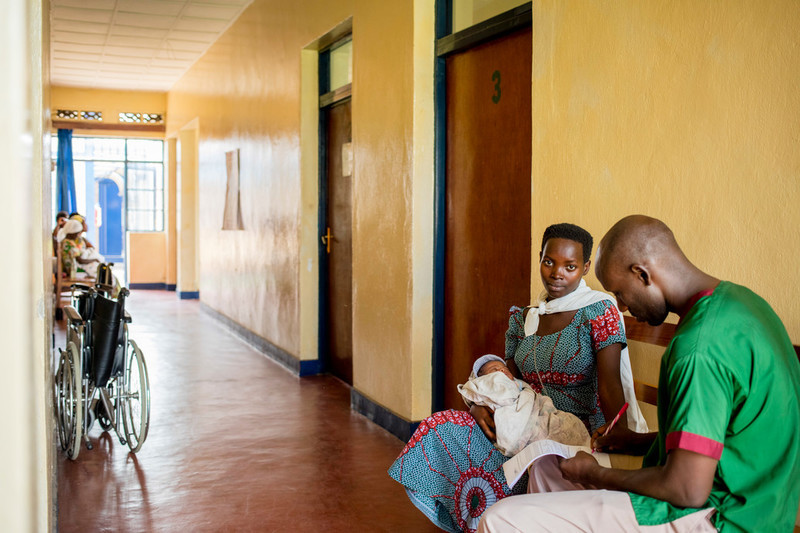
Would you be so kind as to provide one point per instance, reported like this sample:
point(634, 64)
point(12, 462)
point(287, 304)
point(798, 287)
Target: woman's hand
point(485, 419)
point(621, 440)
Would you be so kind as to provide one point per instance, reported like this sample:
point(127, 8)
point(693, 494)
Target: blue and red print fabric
point(453, 470)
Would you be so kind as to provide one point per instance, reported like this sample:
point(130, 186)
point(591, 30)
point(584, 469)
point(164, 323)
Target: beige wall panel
point(187, 228)
point(688, 111)
point(382, 196)
point(170, 201)
point(147, 257)
point(422, 210)
point(41, 249)
point(24, 447)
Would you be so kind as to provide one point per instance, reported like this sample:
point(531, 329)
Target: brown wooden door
point(339, 324)
point(488, 201)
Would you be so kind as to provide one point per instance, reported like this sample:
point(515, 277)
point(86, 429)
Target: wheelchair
point(101, 373)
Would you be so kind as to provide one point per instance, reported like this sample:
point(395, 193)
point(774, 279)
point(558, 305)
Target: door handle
point(326, 240)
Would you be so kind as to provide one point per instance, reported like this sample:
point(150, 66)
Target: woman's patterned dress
point(451, 471)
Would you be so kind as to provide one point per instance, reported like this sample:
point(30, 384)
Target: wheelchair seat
point(106, 316)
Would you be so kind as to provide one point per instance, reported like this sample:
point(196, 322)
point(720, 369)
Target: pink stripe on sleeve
point(694, 443)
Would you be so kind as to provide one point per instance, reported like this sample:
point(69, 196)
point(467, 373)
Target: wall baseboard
point(394, 424)
point(171, 287)
point(277, 354)
point(148, 286)
point(311, 367)
point(189, 295)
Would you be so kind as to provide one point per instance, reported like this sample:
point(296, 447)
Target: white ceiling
point(133, 44)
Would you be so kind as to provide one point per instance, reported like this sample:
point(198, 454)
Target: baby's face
point(495, 366)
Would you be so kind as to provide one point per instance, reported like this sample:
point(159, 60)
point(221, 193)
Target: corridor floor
point(236, 443)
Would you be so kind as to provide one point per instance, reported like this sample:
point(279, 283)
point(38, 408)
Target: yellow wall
point(684, 111)
point(147, 259)
point(246, 92)
point(26, 499)
point(111, 103)
point(688, 111)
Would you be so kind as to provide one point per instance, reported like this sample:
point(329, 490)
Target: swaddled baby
point(520, 415)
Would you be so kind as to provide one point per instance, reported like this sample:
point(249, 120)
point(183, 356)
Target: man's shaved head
point(636, 239)
point(640, 262)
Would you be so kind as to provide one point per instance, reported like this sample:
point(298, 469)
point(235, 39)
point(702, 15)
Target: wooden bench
point(647, 393)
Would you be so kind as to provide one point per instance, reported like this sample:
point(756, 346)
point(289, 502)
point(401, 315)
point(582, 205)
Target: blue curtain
point(65, 173)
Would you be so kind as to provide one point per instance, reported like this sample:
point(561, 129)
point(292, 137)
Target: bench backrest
point(659, 336)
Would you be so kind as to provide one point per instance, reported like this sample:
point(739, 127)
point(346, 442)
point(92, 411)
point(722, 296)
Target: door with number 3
point(488, 200)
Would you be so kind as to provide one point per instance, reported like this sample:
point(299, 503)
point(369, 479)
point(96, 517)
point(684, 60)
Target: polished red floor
point(236, 443)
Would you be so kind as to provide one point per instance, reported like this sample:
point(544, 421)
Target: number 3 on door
point(496, 80)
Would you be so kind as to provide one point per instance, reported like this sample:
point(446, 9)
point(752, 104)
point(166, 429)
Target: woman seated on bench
point(85, 259)
point(570, 346)
point(75, 253)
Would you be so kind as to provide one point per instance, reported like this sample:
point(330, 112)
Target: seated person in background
point(76, 257)
point(82, 219)
point(725, 457)
point(61, 218)
point(520, 415)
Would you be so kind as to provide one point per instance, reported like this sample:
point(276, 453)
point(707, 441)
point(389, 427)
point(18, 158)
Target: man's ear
point(642, 273)
point(540, 255)
point(586, 267)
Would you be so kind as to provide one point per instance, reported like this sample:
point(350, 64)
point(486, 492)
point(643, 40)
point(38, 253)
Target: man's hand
point(580, 468)
point(485, 419)
point(622, 440)
point(685, 480)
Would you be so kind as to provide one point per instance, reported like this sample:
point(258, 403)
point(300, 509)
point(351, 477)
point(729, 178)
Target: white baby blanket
point(520, 415)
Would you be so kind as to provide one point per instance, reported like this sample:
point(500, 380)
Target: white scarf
point(69, 227)
point(578, 299)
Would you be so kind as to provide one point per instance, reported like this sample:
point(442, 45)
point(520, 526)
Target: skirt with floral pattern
point(451, 471)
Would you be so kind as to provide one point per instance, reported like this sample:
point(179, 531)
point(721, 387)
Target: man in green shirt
point(728, 409)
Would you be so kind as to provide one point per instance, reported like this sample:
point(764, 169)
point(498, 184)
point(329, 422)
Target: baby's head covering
point(71, 226)
point(482, 360)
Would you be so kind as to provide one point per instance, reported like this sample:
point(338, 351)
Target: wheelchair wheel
point(69, 401)
point(135, 397)
point(59, 388)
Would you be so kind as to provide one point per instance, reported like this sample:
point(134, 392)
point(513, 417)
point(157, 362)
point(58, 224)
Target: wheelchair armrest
point(105, 289)
point(72, 314)
point(127, 317)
